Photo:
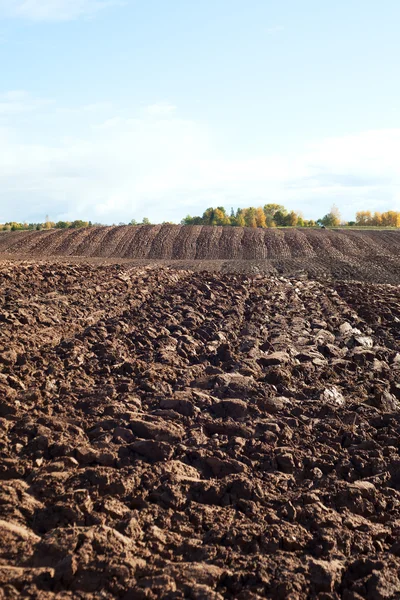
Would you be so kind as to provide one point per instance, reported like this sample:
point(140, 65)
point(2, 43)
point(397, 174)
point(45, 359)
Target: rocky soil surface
point(366, 255)
point(170, 434)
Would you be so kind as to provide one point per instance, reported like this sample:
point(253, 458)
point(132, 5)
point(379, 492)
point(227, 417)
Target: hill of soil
point(175, 242)
point(170, 434)
point(343, 254)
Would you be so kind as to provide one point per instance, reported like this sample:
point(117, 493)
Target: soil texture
point(345, 254)
point(176, 434)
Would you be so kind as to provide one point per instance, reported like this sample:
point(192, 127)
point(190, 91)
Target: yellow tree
point(385, 219)
point(391, 218)
point(250, 217)
point(363, 217)
point(377, 219)
point(335, 216)
point(220, 217)
point(260, 218)
point(292, 219)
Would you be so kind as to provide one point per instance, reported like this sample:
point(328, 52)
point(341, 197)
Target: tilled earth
point(170, 434)
point(343, 254)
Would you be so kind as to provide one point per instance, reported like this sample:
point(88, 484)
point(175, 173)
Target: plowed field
point(171, 434)
point(342, 254)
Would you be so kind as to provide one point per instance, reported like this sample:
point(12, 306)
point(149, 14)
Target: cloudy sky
point(118, 109)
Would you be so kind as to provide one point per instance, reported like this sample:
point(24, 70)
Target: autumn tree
point(336, 217)
point(292, 219)
point(78, 223)
point(48, 224)
point(215, 216)
point(377, 219)
point(220, 217)
point(260, 218)
point(363, 217)
point(270, 211)
point(332, 219)
point(250, 217)
point(390, 219)
point(239, 218)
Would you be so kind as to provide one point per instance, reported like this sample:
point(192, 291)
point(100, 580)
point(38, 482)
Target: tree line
point(365, 218)
point(276, 215)
point(14, 226)
point(269, 215)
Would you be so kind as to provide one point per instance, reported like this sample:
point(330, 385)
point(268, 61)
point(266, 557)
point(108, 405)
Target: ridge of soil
point(370, 255)
point(176, 434)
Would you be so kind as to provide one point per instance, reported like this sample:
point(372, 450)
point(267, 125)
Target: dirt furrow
point(168, 434)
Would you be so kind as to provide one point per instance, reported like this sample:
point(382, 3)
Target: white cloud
point(53, 10)
point(98, 165)
point(19, 101)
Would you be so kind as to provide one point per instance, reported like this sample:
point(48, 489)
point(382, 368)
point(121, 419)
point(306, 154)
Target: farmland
point(226, 429)
point(369, 255)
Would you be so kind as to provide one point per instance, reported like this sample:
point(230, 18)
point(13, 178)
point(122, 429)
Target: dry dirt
point(370, 255)
point(170, 434)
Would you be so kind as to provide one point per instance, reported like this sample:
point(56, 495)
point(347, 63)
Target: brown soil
point(170, 434)
point(334, 254)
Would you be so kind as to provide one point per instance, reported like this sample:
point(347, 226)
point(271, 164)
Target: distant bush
point(62, 225)
point(78, 223)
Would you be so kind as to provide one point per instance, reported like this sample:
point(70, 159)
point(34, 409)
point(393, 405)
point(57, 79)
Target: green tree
point(291, 219)
point(332, 219)
point(239, 218)
point(215, 216)
point(208, 216)
point(270, 211)
point(281, 218)
point(62, 225)
point(250, 217)
point(78, 224)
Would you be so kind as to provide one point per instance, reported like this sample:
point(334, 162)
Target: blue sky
point(113, 110)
